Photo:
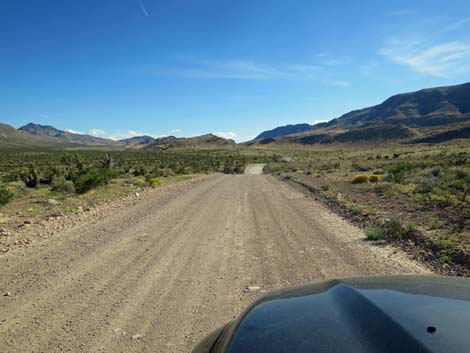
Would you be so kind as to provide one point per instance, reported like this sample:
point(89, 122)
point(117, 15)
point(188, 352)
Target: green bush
point(360, 179)
point(140, 182)
point(395, 228)
point(63, 185)
point(5, 195)
point(373, 232)
point(437, 171)
point(154, 182)
point(92, 178)
point(397, 173)
point(374, 178)
point(426, 184)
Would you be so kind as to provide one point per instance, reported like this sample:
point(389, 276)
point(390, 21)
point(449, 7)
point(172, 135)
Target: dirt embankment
point(159, 275)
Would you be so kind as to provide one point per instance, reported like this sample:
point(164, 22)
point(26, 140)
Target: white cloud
point(175, 131)
point(226, 134)
point(320, 121)
point(443, 60)
point(120, 135)
point(97, 132)
point(74, 131)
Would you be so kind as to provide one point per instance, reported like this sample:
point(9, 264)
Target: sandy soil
point(159, 275)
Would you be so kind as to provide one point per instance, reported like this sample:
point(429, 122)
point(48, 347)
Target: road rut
point(172, 268)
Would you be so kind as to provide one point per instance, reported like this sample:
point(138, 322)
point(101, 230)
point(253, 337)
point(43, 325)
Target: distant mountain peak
point(283, 131)
point(65, 136)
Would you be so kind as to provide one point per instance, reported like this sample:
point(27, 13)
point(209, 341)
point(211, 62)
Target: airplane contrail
point(143, 8)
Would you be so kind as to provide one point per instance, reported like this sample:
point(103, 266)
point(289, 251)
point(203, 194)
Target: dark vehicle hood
point(368, 314)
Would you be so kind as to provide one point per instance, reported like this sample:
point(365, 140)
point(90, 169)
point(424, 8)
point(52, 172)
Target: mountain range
point(36, 136)
point(65, 136)
point(431, 115)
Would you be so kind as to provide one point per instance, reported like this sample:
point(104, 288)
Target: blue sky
point(119, 68)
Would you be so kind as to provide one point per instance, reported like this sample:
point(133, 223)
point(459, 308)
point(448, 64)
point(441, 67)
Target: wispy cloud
point(226, 134)
point(230, 69)
point(97, 132)
point(446, 59)
point(175, 131)
point(250, 70)
point(336, 83)
point(143, 8)
point(454, 26)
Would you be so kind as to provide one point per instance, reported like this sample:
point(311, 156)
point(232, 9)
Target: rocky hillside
point(429, 115)
point(137, 141)
point(66, 136)
point(283, 131)
point(11, 138)
point(203, 141)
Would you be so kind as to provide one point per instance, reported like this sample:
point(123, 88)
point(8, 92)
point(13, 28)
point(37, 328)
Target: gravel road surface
point(158, 276)
point(253, 169)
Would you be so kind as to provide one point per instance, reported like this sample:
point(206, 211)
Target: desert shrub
point(154, 182)
point(11, 177)
point(92, 178)
point(360, 179)
point(5, 195)
point(167, 172)
point(409, 230)
point(461, 186)
point(442, 243)
point(361, 167)
point(426, 184)
point(394, 226)
point(437, 171)
point(374, 178)
point(397, 173)
point(139, 182)
point(63, 185)
point(373, 232)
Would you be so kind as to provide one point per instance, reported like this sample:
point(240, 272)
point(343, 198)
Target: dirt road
point(253, 169)
point(172, 268)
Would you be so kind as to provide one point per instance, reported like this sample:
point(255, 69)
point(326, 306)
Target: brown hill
point(13, 139)
point(203, 141)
